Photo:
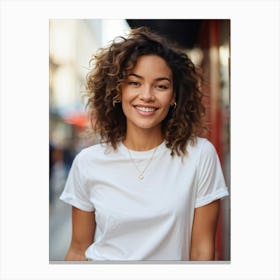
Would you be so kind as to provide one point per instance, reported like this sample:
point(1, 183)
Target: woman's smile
point(145, 110)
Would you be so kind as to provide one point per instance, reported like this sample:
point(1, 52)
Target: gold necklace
point(141, 173)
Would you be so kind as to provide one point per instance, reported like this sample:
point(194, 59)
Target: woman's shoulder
point(92, 152)
point(200, 145)
point(199, 142)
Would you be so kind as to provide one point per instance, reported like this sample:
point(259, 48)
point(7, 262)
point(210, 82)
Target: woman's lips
point(145, 110)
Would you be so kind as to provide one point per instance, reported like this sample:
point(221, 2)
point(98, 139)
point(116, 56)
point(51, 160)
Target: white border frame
point(254, 138)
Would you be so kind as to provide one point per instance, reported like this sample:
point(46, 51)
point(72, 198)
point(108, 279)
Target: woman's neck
point(142, 140)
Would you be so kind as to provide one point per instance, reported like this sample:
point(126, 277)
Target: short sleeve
point(75, 192)
point(210, 182)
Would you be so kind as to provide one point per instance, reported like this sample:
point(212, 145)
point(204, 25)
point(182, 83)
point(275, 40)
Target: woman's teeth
point(146, 109)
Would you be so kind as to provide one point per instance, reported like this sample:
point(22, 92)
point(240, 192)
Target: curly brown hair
point(109, 70)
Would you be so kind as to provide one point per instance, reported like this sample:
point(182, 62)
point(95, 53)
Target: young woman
point(151, 189)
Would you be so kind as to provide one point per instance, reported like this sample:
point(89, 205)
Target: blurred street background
point(71, 45)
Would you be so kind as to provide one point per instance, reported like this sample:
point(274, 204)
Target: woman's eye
point(133, 83)
point(162, 86)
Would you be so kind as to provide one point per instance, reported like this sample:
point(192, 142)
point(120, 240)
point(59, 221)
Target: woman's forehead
point(152, 64)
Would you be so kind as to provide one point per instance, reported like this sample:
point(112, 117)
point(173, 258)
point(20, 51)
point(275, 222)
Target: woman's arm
point(204, 232)
point(83, 229)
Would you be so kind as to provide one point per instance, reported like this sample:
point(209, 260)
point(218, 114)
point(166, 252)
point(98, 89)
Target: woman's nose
point(146, 93)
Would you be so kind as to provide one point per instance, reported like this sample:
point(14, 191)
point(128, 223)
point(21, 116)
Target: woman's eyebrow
point(162, 79)
point(157, 79)
point(135, 75)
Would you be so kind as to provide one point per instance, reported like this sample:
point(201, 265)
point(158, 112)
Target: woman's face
point(147, 93)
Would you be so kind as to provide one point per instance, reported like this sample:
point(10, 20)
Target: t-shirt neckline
point(142, 154)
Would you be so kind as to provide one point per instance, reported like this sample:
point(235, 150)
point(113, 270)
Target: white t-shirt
point(149, 219)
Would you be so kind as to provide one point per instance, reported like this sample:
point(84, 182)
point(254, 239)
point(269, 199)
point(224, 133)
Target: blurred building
point(72, 42)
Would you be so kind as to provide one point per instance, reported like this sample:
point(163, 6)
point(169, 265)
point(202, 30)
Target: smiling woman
point(151, 189)
point(111, 67)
